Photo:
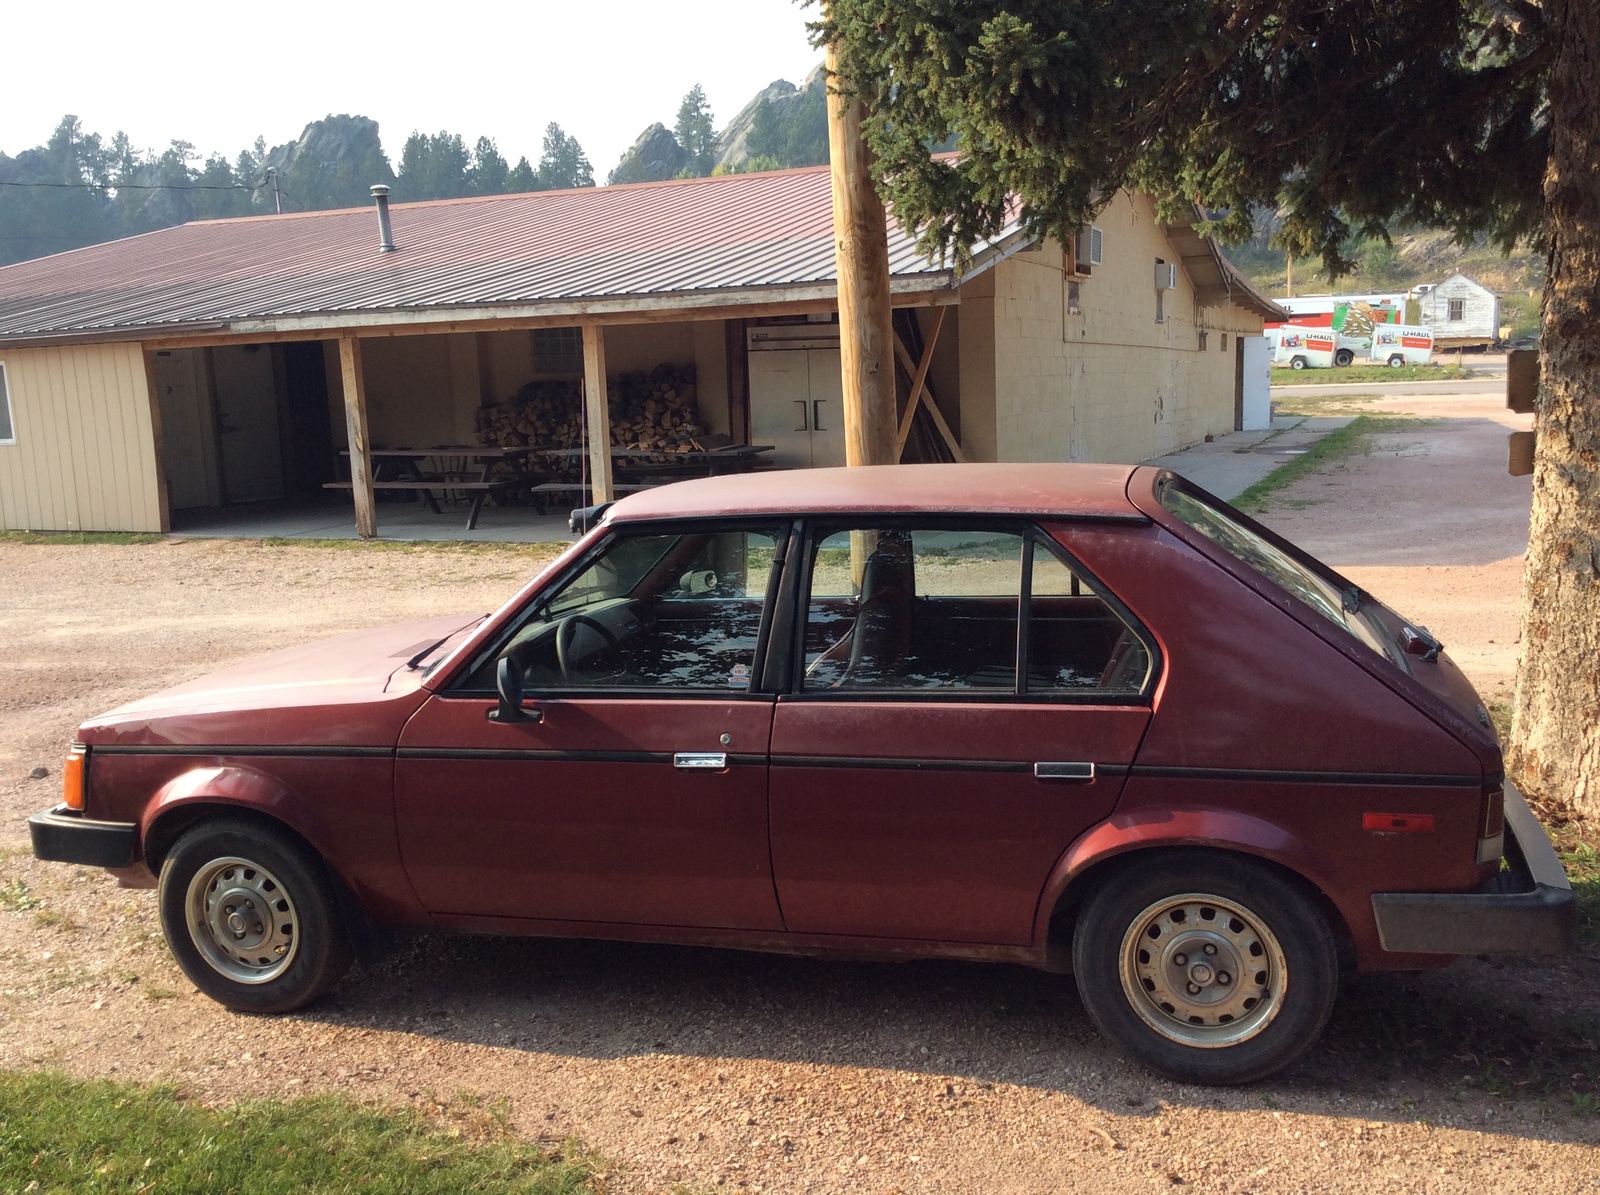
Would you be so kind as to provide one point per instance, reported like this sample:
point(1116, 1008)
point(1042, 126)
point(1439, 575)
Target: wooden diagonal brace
point(919, 389)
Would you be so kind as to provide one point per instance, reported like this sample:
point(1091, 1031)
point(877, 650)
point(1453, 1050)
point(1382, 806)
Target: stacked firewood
point(654, 411)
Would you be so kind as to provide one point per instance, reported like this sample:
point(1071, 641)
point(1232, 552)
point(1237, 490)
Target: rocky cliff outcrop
point(655, 155)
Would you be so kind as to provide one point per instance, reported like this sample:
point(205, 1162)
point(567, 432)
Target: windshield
point(1343, 608)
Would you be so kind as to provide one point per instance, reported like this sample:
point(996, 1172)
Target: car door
point(636, 793)
point(923, 786)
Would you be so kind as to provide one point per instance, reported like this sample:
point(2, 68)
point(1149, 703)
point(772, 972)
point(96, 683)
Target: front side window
point(950, 610)
point(663, 612)
point(8, 433)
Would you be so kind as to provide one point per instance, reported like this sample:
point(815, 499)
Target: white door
point(797, 406)
point(1257, 413)
point(247, 423)
point(827, 407)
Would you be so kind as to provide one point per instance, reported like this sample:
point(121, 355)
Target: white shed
point(1460, 311)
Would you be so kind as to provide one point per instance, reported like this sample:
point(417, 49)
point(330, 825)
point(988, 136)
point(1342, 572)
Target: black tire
point(1284, 959)
point(232, 888)
point(1344, 357)
point(1297, 363)
point(1396, 361)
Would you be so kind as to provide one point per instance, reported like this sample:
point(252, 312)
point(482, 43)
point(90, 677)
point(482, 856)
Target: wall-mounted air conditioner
point(1089, 250)
point(1166, 275)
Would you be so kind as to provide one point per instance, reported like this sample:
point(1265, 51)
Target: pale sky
point(217, 74)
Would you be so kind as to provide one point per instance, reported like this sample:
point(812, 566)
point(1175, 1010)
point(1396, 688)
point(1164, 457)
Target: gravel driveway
point(721, 1070)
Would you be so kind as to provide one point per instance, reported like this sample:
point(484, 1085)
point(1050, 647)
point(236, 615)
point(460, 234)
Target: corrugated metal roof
point(735, 233)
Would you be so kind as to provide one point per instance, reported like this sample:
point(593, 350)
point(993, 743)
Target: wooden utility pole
point(861, 245)
point(355, 421)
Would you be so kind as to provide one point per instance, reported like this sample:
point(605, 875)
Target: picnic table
point(399, 469)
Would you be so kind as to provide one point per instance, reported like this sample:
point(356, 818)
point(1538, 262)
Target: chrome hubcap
point(1203, 971)
point(242, 920)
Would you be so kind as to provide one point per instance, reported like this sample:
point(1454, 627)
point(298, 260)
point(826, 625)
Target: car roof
point(1063, 490)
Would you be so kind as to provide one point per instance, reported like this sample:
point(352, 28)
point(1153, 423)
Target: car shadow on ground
point(1513, 1036)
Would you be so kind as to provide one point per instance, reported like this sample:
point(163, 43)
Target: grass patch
point(1354, 437)
point(15, 897)
point(1582, 862)
point(1322, 404)
point(72, 538)
point(1282, 376)
point(61, 1135)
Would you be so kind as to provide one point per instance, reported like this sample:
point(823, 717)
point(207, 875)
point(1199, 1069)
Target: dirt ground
point(717, 1070)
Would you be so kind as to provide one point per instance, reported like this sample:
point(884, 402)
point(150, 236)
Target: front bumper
point(1530, 911)
point(63, 835)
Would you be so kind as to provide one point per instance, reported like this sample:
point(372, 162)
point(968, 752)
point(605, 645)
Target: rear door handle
point(816, 414)
point(694, 761)
point(1072, 773)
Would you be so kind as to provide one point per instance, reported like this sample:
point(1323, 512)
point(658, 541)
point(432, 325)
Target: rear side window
point(956, 611)
point(1340, 607)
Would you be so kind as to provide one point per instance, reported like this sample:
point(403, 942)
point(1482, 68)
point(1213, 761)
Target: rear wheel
point(1297, 362)
point(1396, 361)
point(1344, 357)
point(251, 917)
point(1206, 969)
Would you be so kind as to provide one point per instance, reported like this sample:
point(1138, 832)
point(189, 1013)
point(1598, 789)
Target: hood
point(352, 689)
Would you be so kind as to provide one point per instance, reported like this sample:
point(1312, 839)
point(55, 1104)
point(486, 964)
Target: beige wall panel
point(85, 453)
point(711, 374)
point(462, 352)
point(409, 382)
point(975, 318)
point(638, 348)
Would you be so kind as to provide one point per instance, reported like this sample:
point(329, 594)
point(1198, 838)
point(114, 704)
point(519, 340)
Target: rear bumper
point(63, 835)
point(1531, 909)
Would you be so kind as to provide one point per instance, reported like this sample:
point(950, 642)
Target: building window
point(1203, 337)
point(558, 350)
point(1224, 342)
point(1458, 309)
point(8, 433)
point(1074, 299)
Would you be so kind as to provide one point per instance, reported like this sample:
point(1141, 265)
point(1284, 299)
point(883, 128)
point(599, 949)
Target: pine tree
point(1475, 116)
point(563, 164)
point(696, 133)
point(489, 172)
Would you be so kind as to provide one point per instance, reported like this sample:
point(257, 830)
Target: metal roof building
point(228, 362)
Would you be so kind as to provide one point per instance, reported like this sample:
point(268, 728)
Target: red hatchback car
point(1086, 718)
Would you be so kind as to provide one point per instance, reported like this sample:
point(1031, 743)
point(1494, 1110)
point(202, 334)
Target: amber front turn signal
point(72, 778)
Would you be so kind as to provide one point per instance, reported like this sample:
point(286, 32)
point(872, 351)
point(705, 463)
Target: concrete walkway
point(397, 521)
point(1231, 464)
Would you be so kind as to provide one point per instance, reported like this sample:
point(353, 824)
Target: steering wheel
point(567, 631)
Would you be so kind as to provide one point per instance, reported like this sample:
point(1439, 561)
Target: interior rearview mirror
point(508, 681)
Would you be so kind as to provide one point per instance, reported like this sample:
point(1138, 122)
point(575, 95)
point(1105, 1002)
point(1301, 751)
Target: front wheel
point(1208, 970)
point(251, 917)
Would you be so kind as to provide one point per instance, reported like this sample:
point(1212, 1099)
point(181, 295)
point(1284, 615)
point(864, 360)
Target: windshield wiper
point(415, 661)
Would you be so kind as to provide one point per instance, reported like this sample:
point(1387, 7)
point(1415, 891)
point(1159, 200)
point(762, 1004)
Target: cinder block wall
point(1110, 382)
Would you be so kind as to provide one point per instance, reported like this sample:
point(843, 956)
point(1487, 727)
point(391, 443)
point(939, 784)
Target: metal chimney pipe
point(380, 195)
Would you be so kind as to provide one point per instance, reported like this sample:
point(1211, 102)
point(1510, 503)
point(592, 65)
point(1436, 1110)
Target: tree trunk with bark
point(1554, 749)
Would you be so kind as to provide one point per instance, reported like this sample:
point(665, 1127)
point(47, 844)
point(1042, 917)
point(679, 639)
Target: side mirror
point(508, 681)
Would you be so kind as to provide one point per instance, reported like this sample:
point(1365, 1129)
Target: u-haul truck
point(1302, 348)
point(1402, 344)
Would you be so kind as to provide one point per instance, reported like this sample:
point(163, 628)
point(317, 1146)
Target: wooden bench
point(478, 489)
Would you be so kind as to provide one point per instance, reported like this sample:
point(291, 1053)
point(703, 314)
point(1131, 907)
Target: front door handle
point(801, 403)
point(1071, 773)
point(696, 761)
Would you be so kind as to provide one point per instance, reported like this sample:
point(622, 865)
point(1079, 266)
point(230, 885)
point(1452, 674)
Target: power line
point(141, 186)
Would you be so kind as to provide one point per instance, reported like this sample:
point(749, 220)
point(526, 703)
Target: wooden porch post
point(861, 247)
point(355, 420)
point(598, 412)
